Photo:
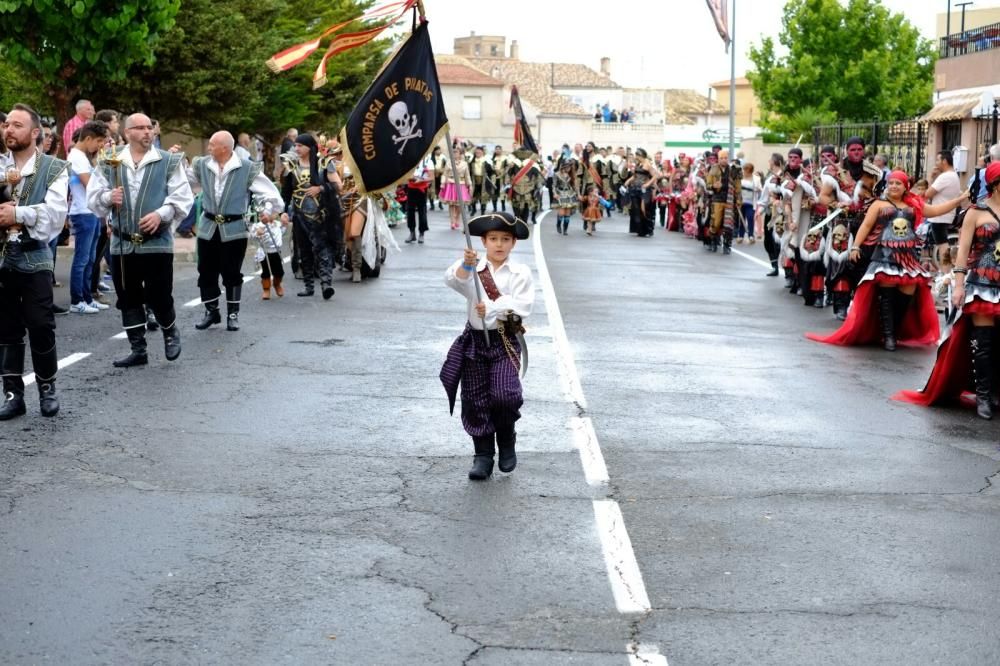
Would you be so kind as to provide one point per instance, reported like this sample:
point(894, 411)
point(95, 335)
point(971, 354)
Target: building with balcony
point(966, 84)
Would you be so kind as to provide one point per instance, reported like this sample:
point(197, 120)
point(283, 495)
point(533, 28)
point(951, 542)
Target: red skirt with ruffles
point(920, 326)
point(951, 377)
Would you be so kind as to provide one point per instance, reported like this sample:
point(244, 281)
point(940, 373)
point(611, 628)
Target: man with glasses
point(143, 189)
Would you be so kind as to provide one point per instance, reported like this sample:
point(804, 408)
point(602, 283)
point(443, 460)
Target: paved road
point(295, 492)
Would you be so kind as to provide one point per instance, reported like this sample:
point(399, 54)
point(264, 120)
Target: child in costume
point(488, 372)
point(268, 255)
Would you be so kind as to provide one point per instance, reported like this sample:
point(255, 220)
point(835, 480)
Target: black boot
point(482, 463)
point(48, 402)
point(507, 457)
point(981, 343)
point(151, 323)
point(12, 367)
point(137, 355)
point(212, 315)
point(412, 238)
point(774, 268)
point(840, 301)
point(46, 365)
point(886, 317)
point(172, 342)
point(503, 205)
point(233, 295)
point(309, 290)
point(727, 244)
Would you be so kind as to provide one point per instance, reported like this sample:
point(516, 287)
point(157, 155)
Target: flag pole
point(461, 201)
point(732, 88)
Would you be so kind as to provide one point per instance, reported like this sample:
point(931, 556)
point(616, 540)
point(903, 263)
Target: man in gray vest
point(34, 191)
point(143, 189)
point(228, 185)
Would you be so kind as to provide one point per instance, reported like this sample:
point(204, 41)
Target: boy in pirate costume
point(488, 371)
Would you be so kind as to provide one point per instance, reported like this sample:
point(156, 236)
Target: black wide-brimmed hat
point(479, 226)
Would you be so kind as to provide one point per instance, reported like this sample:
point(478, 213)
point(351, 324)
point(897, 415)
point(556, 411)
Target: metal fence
point(978, 39)
point(904, 142)
point(986, 130)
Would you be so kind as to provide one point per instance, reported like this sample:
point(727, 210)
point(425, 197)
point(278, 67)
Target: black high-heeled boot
point(981, 343)
point(887, 318)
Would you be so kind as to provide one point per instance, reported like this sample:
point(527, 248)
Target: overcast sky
point(656, 44)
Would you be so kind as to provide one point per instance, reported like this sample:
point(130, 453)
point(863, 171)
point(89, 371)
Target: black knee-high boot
point(981, 343)
point(11, 368)
point(887, 318)
point(46, 365)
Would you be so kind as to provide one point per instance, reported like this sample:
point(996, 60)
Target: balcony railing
point(970, 41)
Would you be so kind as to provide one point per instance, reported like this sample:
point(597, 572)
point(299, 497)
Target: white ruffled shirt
point(42, 221)
point(516, 287)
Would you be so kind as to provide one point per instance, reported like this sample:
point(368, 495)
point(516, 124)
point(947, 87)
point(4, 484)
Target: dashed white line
point(624, 575)
point(246, 278)
point(29, 379)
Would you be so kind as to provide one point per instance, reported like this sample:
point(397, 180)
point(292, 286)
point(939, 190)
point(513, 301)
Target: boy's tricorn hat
point(479, 226)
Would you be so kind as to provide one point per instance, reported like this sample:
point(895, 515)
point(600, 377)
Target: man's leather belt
point(221, 219)
point(137, 239)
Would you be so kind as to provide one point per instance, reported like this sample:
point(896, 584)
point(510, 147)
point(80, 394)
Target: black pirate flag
point(399, 118)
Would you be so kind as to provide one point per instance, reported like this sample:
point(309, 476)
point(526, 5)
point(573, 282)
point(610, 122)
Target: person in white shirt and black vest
point(229, 183)
point(34, 189)
point(146, 189)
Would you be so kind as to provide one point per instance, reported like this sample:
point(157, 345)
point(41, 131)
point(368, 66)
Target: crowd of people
point(845, 229)
point(123, 198)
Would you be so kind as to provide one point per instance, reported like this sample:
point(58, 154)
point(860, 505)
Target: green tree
point(843, 63)
point(210, 69)
point(66, 46)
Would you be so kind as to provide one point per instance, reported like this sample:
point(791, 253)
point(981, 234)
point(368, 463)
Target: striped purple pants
point(491, 389)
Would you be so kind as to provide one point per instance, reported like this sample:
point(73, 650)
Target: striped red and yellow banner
point(285, 60)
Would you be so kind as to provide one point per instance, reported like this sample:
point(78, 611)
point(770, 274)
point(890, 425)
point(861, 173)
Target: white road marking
point(623, 570)
point(585, 440)
point(645, 655)
point(627, 586)
point(29, 379)
point(246, 278)
point(752, 258)
point(119, 336)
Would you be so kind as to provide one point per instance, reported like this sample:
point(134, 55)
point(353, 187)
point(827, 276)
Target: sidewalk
point(184, 250)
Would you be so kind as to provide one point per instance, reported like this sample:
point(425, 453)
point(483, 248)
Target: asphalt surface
point(295, 492)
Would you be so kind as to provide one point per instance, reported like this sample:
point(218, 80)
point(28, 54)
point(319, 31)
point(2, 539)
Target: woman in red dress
point(893, 300)
point(967, 361)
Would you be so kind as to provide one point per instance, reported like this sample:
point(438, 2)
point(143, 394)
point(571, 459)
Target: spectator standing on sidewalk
point(84, 113)
point(945, 187)
point(86, 227)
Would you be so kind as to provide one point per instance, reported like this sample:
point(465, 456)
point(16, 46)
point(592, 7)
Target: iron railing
point(970, 41)
point(903, 142)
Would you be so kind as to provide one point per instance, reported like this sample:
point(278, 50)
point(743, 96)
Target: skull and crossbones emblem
point(996, 252)
point(900, 228)
point(405, 123)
